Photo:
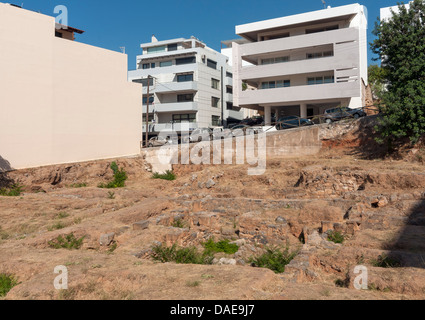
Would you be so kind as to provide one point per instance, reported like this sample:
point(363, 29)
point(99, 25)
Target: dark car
point(292, 122)
point(336, 114)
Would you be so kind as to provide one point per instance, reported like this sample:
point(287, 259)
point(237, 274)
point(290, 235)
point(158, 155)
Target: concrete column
point(267, 115)
point(303, 110)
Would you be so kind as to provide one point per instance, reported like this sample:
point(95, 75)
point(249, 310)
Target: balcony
point(172, 107)
point(157, 127)
point(171, 87)
point(300, 93)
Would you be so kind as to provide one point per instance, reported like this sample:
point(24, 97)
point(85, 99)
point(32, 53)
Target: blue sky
point(128, 23)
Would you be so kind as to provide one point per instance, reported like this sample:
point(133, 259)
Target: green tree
point(377, 79)
point(401, 47)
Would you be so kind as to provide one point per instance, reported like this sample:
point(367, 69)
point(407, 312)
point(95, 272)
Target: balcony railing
point(172, 107)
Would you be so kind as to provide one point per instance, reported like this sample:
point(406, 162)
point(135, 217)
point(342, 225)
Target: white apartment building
point(188, 82)
point(302, 64)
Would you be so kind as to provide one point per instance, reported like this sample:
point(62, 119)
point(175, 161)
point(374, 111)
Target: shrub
point(336, 237)
point(68, 242)
point(168, 175)
point(221, 246)
point(56, 226)
point(14, 191)
point(179, 223)
point(7, 282)
point(384, 261)
point(120, 176)
point(274, 259)
point(180, 255)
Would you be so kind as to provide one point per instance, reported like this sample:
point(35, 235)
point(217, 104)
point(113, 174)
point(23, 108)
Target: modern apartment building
point(58, 101)
point(188, 82)
point(302, 64)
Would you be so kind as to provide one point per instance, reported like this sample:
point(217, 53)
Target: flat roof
point(319, 15)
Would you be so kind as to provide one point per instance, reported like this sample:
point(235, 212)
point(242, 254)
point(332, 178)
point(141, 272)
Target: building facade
point(58, 102)
point(302, 64)
point(188, 82)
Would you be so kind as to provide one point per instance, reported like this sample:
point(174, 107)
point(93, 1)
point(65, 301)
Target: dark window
point(172, 47)
point(144, 82)
point(150, 118)
point(315, 30)
point(146, 66)
point(215, 120)
point(215, 84)
point(185, 98)
point(229, 89)
point(185, 60)
point(151, 99)
point(178, 118)
point(215, 102)
point(229, 75)
point(211, 64)
point(229, 106)
point(153, 65)
point(184, 77)
point(58, 34)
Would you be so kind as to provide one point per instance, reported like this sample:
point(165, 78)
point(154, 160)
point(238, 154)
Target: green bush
point(336, 237)
point(7, 282)
point(274, 259)
point(68, 242)
point(384, 261)
point(221, 246)
point(120, 176)
point(180, 255)
point(14, 191)
point(168, 175)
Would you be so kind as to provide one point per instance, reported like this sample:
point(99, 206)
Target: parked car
point(336, 114)
point(201, 134)
point(159, 141)
point(357, 113)
point(221, 133)
point(292, 122)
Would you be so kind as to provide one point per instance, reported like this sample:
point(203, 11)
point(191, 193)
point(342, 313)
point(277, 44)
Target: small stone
point(106, 239)
point(281, 220)
point(141, 225)
point(209, 184)
point(225, 261)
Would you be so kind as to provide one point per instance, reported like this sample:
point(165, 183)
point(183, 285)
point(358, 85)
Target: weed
point(120, 176)
point(77, 220)
point(180, 255)
point(78, 185)
point(112, 248)
point(221, 246)
point(168, 175)
point(56, 226)
point(179, 223)
point(384, 261)
point(193, 283)
point(62, 215)
point(3, 234)
point(14, 191)
point(336, 237)
point(68, 242)
point(7, 282)
point(111, 195)
point(274, 259)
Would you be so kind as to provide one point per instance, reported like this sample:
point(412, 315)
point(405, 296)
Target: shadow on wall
point(4, 165)
point(408, 249)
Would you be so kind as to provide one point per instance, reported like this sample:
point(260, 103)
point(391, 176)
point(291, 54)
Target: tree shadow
point(408, 249)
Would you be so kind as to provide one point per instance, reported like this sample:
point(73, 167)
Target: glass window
point(229, 89)
point(215, 120)
point(328, 54)
point(329, 79)
point(172, 47)
point(281, 59)
point(266, 61)
point(146, 66)
point(215, 84)
point(212, 64)
point(184, 77)
point(166, 64)
point(156, 49)
point(215, 102)
point(319, 80)
point(185, 60)
point(311, 81)
point(229, 75)
point(145, 98)
point(178, 118)
point(229, 106)
point(185, 97)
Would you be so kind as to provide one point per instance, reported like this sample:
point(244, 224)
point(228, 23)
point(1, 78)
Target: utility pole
point(222, 98)
point(147, 115)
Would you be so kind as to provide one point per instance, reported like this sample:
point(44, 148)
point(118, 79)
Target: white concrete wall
point(61, 101)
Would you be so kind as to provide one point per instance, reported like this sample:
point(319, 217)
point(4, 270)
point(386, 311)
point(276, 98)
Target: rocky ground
point(378, 205)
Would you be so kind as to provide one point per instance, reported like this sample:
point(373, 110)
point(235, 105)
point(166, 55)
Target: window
point(58, 34)
point(212, 64)
point(151, 117)
point(283, 83)
point(146, 66)
point(153, 65)
point(151, 99)
point(166, 64)
point(315, 30)
point(144, 82)
point(185, 97)
point(178, 118)
point(215, 102)
point(172, 47)
point(320, 54)
point(185, 60)
point(215, 121)
point(229, 89)
point(268, 85)
point(275, 60)
point(184, 77)
point(320, 80)
point(328, 54)
point(229, 75)
point(215, 83)
point(229, 106)
point(156, 49)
